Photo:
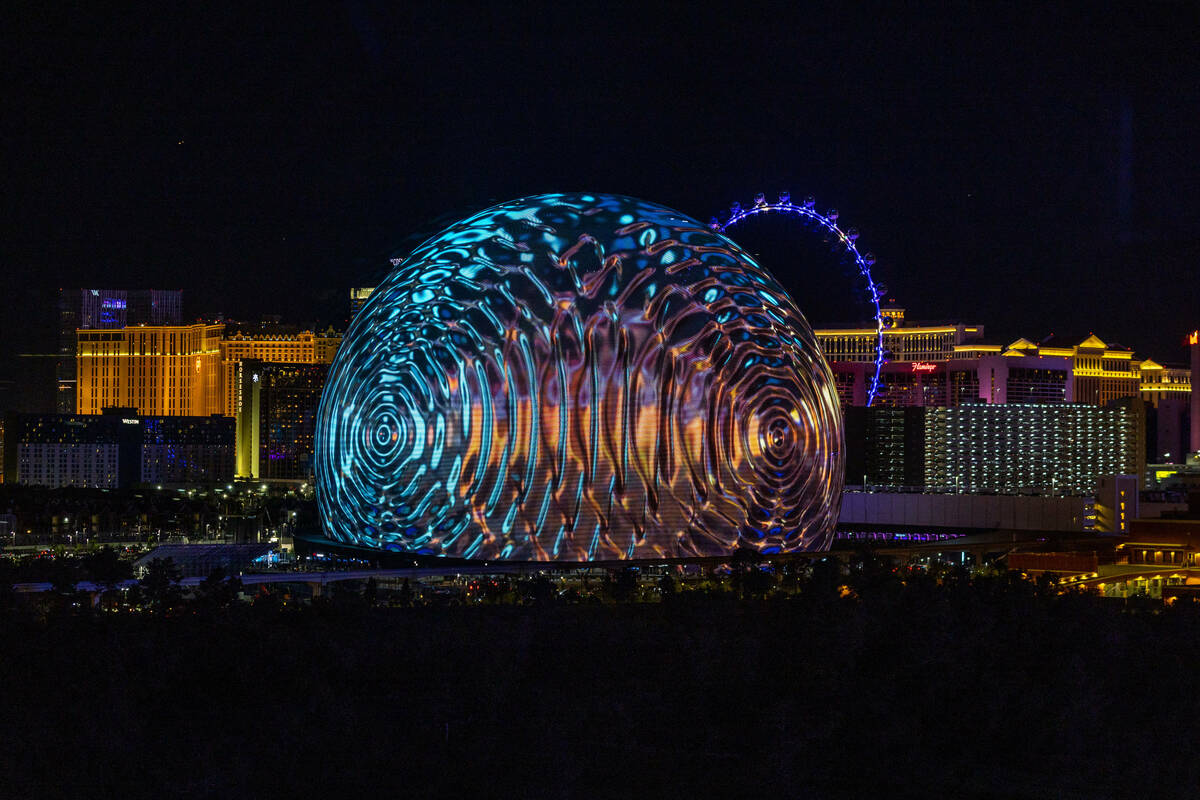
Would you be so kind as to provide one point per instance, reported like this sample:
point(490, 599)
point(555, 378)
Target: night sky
point(1030, 170)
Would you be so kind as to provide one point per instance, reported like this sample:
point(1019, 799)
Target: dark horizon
point(1027, 169)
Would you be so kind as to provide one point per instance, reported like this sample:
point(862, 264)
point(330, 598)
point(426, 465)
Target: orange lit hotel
point(164, 370)
point(181, 370)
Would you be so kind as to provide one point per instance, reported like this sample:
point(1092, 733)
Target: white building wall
point(1008, 512)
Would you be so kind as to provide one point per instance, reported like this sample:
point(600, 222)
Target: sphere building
point(579, 377)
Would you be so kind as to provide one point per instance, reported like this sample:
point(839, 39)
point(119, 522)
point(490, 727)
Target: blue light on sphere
point(579, 377)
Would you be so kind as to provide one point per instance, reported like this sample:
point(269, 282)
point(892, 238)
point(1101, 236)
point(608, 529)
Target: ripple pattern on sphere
point(579, 377)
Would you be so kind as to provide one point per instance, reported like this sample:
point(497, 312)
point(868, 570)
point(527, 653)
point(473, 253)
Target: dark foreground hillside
point(992, 689)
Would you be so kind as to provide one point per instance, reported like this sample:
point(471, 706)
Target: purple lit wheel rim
point(846, 238)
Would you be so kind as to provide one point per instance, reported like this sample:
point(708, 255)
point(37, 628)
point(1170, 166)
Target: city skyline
point(1020, 151)
point(486, 397)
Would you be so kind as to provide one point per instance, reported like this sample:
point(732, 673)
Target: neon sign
point(923, 366)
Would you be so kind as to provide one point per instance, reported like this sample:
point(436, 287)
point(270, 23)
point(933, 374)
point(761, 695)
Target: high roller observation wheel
point(846, 238)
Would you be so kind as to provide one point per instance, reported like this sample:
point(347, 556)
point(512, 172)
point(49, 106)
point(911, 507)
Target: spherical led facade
point(579, 377)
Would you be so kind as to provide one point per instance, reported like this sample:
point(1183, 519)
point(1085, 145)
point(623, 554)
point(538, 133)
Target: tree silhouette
point(539, 590)
point(792, 572)
point(8, 576)
point(666, 586)
point(160, 585)
point(623, 585)
point(106, 567)
point(217, 592)
point(65, 574)
point(267, 602)
point(747, 575)
point(824, 580)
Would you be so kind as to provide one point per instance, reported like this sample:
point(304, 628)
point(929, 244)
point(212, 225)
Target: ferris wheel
point(846, 239)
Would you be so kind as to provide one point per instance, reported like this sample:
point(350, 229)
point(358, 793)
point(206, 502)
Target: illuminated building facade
point(988, 377)
point(1011, 448)
point(956, 369)
point(187, 449)
point(885, 446)
point(116, 449)
point(167, 370)
point(276, 419)
point(1102, 372)
point(1194, 398)
point(1167, 391)
point(579, 377)
point(1116, 502)
point(1037, 449)
point(358, 298)
point(986, 513)
point(306, 347)
point(104, 309)
point(1161, 383)
point(901, 342)
point(71, 450)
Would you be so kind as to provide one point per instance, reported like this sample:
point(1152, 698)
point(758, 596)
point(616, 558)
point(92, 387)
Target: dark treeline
point(875, 683)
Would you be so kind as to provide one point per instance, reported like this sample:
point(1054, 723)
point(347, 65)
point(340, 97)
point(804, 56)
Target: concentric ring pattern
point(579, 377)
